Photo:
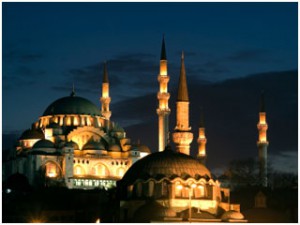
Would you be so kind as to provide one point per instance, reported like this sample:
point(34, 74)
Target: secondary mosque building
point(171, 185)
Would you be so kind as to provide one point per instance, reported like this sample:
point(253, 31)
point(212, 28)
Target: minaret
point(163, 96)
point(105, 99)
point(201, 156)
point(182, 137)
point(262, 143)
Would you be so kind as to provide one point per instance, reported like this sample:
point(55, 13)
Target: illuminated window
point(178, 190)
point(51, 170)
point(78, 170)
point(99, 170)
point(199, 191)
point(121, 172)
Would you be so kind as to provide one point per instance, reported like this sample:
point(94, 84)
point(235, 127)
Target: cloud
point(285, 161)
point(126, 71)
point(22, 56)
point(231, 115)
point(252, 55)
point(21, 76)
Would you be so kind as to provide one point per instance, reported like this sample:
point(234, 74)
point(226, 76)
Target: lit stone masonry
point(182, 137)
point(74, 144)
point(201, 156)
point(163, 110)
point(105, 99)
point(262, 143)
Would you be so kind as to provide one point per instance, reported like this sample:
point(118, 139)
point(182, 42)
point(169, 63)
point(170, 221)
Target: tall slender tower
point(163, 96)
point(262, 143)
point(105, 99)
point(182, 136)
point(202, 141)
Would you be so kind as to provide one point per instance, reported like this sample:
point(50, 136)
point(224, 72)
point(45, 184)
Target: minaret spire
point(182, 137)
point(105, 99)
point(202, 140)
point(262, 142)
point(163, 55)
point(182, 85)
point(73, 90)
point(163, 110)
point(105, 73)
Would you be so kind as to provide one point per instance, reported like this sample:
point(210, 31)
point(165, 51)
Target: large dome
point(166, 164)
point(72, 105)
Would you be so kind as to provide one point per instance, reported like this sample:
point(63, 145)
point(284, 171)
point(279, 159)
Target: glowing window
point(121, 172)
point(51, 170)
point(99, 170)
point(78, 170)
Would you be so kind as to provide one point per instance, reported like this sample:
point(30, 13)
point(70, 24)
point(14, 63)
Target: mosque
point(171, 185)
point(77, 145)
point(74, 144)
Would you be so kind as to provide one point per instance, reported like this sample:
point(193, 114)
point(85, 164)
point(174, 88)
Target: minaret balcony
point(163, 79)
point(163, 96)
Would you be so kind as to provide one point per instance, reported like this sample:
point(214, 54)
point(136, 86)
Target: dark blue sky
point(48, 46)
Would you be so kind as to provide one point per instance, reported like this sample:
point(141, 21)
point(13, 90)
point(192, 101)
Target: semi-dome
point(144, 148)
point(44, 144)
point(168, 164)
point(72, 144)
point(72, 105)
point(93, 145)
point(114, 148)
point(32, 134)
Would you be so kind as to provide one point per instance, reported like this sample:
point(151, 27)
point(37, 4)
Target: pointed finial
point(163, 55)
point(182, 86)
point(262, 102)
point(73, 90)
point(105, 73)
point(201, 118)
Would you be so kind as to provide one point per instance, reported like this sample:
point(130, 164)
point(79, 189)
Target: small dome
point(115, 148)
point(232, 215)
point(152, 210)
point(93, 145)
point(32, 134)
point(72, 105)
point(168, 164)
point(144, 148)
point(44, 144)
point(72, 144)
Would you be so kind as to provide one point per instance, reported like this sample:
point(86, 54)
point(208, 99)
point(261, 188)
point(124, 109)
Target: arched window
point(78, 170)
point(100, 170)
point(51, 170)
point(121, 172)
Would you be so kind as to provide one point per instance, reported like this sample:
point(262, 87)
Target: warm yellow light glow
point(105, 90)
point(76, 122)
point(68, 121)
point(179, 187)
point(51, 174)
point(262, 118)
point(193, 185)
point(51, 170)
point(98, 220)
point(163, 68)
point(78, 170)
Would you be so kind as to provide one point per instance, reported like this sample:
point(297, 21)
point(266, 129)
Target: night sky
point(233, 51)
